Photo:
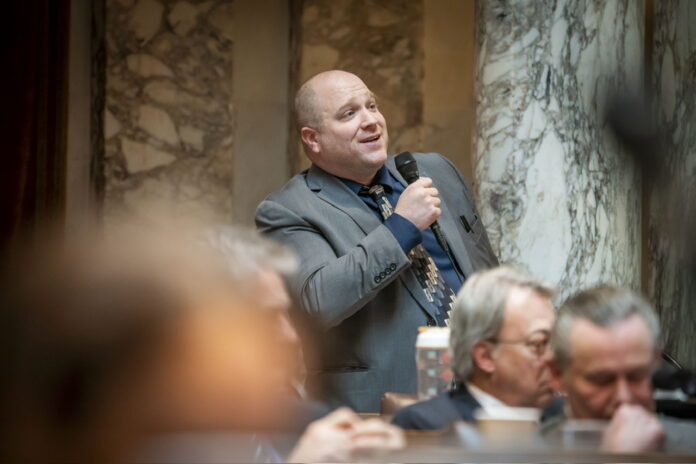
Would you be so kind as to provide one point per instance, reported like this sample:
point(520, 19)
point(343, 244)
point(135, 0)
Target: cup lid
point(436, 337)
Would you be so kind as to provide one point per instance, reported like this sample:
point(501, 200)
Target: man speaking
point(371, 268)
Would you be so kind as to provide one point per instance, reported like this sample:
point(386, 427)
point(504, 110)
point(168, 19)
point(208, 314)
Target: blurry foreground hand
point(342, 435)
point(632, 429)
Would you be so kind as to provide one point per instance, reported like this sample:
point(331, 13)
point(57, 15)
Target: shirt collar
point(496, 409)
point(486, 400)
point(382, 177)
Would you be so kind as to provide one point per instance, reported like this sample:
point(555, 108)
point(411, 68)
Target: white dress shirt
point(493, 408)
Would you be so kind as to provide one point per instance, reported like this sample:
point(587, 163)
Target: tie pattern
point(434, 286)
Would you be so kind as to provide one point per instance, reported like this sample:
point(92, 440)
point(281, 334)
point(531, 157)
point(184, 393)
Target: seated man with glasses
point(500, 329)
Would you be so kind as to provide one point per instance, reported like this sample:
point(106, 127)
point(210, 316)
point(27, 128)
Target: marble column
point(672, 255)
point(557, 194)
point(168, 122)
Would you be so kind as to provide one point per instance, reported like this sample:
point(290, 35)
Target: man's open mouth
point(371, 138)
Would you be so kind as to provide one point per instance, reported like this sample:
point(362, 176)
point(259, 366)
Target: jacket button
point(387, 271)
point(382, 275)
point(431, 322)
point(392, 266)
point(378, 279)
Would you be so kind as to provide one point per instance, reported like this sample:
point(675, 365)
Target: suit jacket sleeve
point(332, 287)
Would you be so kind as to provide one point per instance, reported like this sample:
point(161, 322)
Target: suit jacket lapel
point(464, 402)
point(336, 193)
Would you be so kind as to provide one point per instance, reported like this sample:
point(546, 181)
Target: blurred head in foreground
point(104, 344)
point(500, 330)
point(605, 347)
point(258, 267)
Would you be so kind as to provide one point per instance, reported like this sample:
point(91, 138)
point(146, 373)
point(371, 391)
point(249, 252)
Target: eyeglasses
point(536, 347)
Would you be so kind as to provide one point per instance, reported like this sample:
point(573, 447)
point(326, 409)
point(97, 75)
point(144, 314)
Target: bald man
point(371, 270)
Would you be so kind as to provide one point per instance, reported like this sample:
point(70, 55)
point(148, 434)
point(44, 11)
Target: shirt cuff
point(405, 232)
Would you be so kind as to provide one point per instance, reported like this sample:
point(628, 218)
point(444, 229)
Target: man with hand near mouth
point(371, 269)
point(606, 346)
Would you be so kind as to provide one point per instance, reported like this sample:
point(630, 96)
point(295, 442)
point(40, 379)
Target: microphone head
point(407, 167)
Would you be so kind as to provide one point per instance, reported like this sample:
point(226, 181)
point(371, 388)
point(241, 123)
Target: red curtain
point(35, 37)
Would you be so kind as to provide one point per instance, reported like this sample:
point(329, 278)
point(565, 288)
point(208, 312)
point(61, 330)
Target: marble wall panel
point(168, 122)
point(557, 194)
point(672, 276)
point(380, 41)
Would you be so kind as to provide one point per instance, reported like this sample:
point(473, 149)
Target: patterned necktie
point(434, 286)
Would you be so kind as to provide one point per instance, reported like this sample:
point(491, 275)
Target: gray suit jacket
point(355, 286)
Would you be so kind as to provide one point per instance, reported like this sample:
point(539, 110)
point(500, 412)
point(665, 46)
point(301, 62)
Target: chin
point(379, 157)
point(545, 399)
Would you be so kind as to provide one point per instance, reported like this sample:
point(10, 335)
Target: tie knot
point(376, 190)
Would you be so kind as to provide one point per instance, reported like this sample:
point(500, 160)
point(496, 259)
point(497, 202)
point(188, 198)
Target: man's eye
point(538, 346)
point(638, 376)
point(348, 113)
point(601, 380)
point(541, 345)
point(372, 106)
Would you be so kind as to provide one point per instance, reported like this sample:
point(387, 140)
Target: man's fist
point(419, 203)
point(632, 429)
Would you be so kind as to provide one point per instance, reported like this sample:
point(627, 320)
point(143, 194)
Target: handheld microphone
point(408, 168)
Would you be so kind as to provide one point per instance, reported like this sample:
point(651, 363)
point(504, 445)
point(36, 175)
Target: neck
point(364, 178)
point(483, 383)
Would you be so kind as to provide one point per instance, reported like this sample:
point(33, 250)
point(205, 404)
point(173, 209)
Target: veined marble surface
point(168, 123)
point(672, 283)
point(558, 197)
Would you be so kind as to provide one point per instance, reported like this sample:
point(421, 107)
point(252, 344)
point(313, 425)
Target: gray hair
point(246, 253)
point(479, 310)
point(605, 306)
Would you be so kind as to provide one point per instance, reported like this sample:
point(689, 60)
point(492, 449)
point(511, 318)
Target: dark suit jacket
point(452, 406)
point(355, 288)
point(438, 412)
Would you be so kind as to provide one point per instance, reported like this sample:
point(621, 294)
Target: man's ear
point(482, 356)
point(556, 378)
point(310, 138)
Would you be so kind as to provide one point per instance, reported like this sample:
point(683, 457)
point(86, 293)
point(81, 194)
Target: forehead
point(338, 91)
point(526, 311)
point(623, 345)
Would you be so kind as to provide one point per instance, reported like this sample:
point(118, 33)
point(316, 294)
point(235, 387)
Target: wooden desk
point(454, 445)
point(440, 454)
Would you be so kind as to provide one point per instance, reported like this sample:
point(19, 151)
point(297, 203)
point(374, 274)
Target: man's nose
point(368, 119)
point(545, 360)
point(623, 393)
